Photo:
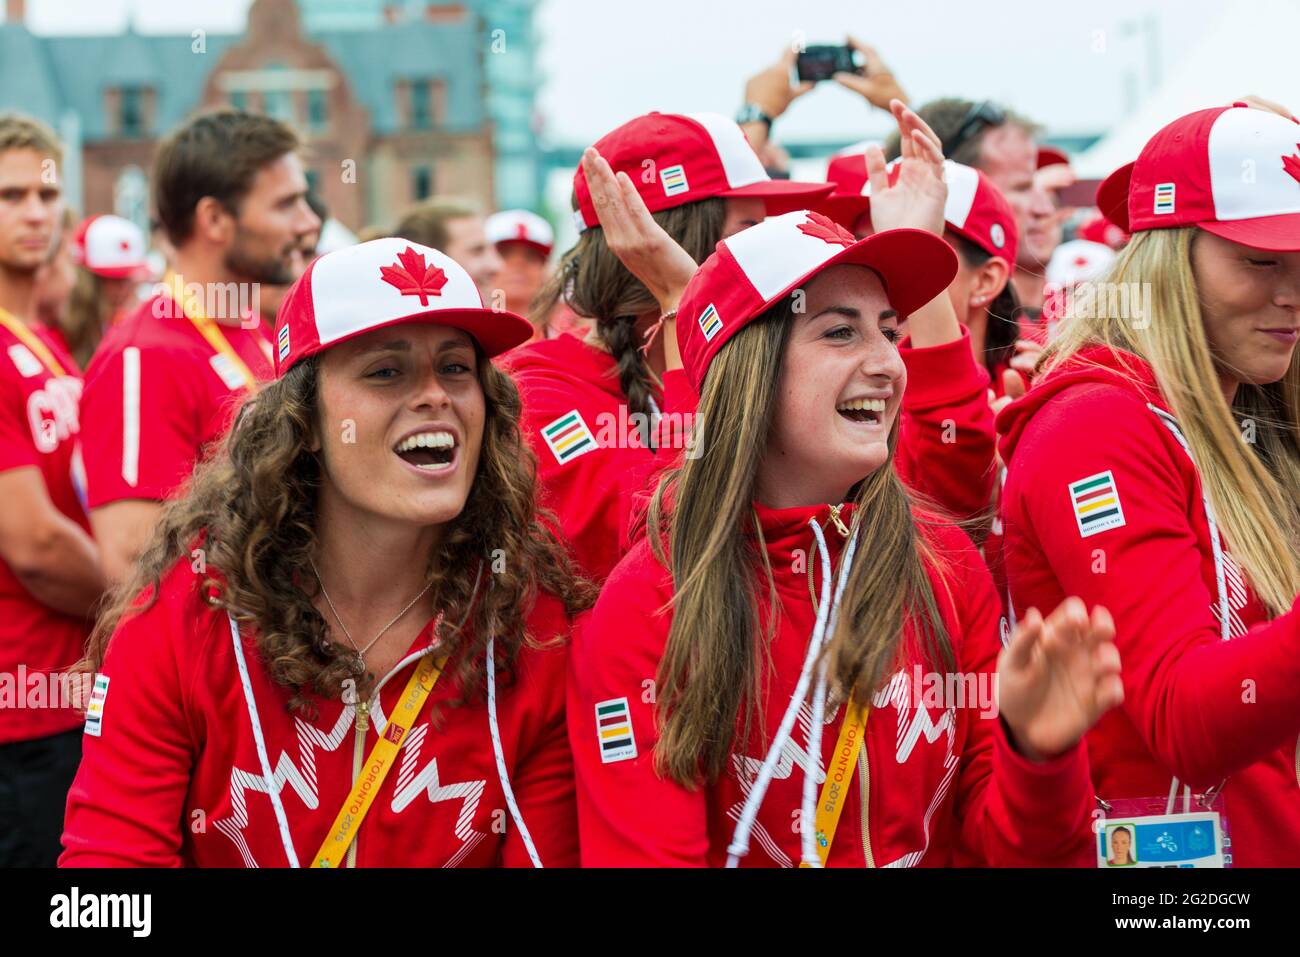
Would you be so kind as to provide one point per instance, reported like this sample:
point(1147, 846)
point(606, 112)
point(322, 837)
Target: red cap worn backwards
point(1233, 171)
point(758, 267)
point(385, 282)
point(675, 159)
point(975, 209)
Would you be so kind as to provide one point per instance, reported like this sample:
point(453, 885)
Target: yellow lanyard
point(208, 329)
point(348, 822)
point(32, 342)
point(844, 759)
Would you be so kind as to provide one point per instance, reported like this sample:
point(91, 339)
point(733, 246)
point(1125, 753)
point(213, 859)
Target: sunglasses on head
point(986, 113)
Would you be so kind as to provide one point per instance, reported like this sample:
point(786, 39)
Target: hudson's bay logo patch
point(568, 437)
point(1096, 503)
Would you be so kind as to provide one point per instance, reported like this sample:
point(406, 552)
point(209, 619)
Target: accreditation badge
point(1190, 831)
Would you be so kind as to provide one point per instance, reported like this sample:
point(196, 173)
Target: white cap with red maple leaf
point(111, 247)
point(384, 282)
point(1233, 171)
point(759, 266)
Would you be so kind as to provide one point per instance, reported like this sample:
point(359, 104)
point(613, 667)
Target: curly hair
point(252, 508)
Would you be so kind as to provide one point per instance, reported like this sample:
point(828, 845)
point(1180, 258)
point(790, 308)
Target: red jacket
point(174, 778)
point(594, 469)
point(946, 441)
point(941, 784)
point(1150, 561)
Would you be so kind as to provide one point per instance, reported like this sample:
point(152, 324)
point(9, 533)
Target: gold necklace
point(360, 652)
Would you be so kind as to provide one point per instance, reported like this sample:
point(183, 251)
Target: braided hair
point(596, 285)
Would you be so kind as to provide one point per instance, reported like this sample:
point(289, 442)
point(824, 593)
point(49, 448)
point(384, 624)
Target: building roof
point(375, 60)
point(45, 76)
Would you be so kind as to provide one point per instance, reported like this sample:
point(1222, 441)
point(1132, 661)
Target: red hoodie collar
point(1091, 364)
point(791, 545)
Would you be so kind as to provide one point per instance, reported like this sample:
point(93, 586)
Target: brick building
point(392, 111)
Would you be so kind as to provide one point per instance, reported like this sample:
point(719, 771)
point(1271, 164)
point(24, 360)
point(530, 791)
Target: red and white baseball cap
point(1233, 171)
point(759, 266)
point(520, 226)
point(110, 246)
point(975, 209)
point(1079, 260)
point(385, 282)
point(675, 159)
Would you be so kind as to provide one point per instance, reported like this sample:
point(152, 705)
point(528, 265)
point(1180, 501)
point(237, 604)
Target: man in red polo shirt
point(50, 578)
point(231, 194)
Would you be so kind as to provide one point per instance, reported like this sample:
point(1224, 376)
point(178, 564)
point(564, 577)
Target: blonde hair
point(20, 132)
point(1253, 486)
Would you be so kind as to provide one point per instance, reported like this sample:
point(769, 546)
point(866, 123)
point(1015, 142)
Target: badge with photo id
point(1152, 832)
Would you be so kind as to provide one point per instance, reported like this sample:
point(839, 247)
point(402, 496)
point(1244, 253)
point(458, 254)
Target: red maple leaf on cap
point(827, 230)
point(412, 277)
point(1292, 165)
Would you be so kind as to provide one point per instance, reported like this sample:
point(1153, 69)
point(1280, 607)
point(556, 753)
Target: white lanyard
point(1216, 544)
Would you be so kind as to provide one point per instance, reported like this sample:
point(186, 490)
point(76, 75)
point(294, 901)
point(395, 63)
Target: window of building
point(421, 182)
point(317, 110)
point(278, 104)
point(131, 121)
point(421, 105)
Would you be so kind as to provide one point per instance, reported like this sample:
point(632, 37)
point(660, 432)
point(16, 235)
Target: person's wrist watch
point(751, 113)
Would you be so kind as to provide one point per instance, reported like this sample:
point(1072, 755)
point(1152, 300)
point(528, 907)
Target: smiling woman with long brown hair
point(794, 606)
point(370, 525)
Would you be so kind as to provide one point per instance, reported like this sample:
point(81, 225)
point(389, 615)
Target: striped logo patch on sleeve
point(614, 731)
point(95, 709)
point(568, 437)
point(1096, 503)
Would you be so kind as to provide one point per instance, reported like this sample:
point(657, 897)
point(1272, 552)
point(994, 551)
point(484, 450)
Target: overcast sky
point(1075, 67)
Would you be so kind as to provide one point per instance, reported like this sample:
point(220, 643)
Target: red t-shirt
point(38, 428)
point(157, 395)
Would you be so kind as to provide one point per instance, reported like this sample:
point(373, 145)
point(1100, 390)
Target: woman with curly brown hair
point(368, 539)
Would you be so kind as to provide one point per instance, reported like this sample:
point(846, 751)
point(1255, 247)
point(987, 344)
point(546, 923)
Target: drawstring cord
point(499, 755)
point(739, 846)
point(276, 804)
point(808, 813)
point(494, 729)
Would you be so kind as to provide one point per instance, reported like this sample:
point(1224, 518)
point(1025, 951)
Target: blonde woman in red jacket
point(344, 646)
point(788, 669)
point(1155, 469)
